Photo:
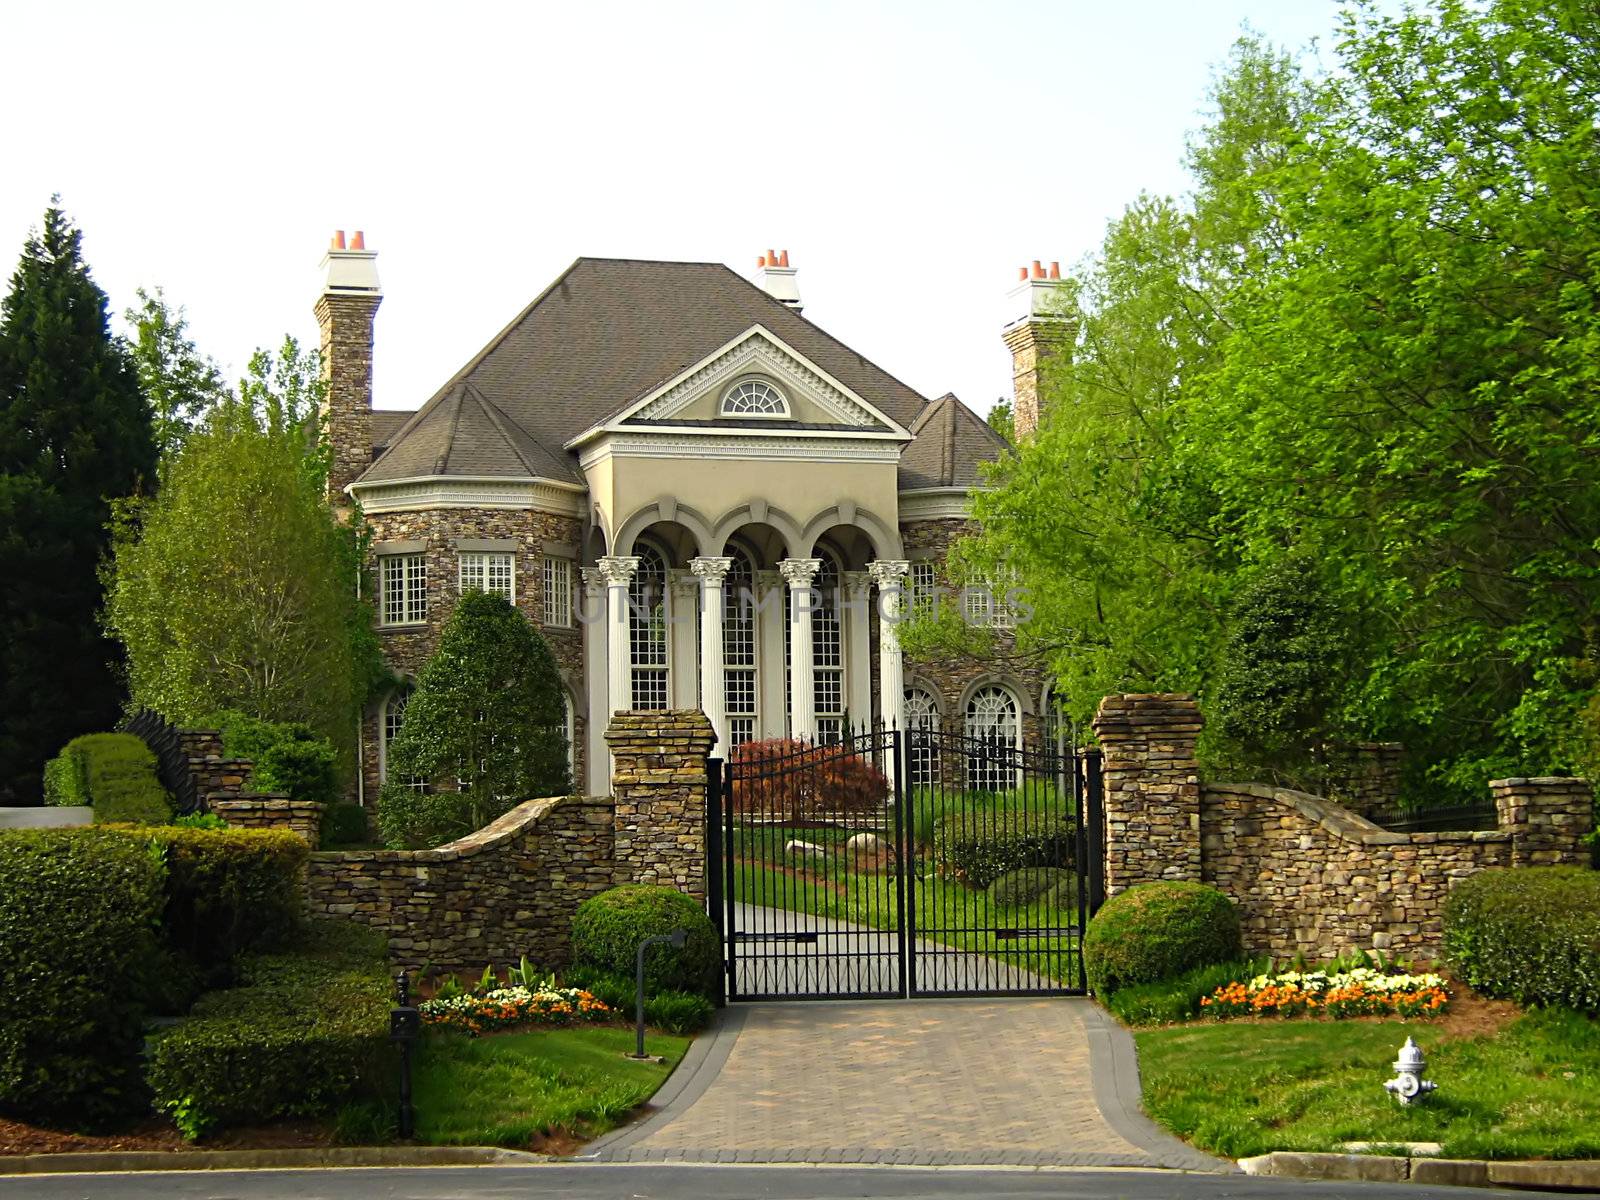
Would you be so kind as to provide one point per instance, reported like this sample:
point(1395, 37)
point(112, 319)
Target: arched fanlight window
point(393, 717)
point(739, 646)
point(922, 722)
point(754, 398)
point(647, 627)
point(993, 729)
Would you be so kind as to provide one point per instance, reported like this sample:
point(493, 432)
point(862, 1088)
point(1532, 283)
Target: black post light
point(675, 939)
point(405, 1027)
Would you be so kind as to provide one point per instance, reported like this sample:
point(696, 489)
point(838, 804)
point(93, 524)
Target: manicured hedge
point(115, 772)
point(306, 1031)
point(1155, 931)
point(607, 930)
point(1033, 885)
point(978, 847)
point(78, 911)
point(1528, 933)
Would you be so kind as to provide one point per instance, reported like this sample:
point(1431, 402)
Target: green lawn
point(1530, 1091)
point(505, 1089)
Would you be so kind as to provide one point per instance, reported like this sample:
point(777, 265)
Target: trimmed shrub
point(1156, 931)
point(678, 1012)
point(1030, 885)
point(1528, 933)
point(78, 909)
point(607, 930)
point(306, 1033)
point(977, 847)
point(797, 782)
point(344, 825)
point(287, 756)
point(114, 772)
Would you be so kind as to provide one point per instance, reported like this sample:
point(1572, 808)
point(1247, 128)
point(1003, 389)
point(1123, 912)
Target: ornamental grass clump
point(1360, 992)
point(513, 1007)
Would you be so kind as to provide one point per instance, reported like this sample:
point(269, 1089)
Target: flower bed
point(508, 1007)
point(1361, 992)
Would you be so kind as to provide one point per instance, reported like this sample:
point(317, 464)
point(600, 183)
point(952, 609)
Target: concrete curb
point(1577, 1175)
point(242, 1160)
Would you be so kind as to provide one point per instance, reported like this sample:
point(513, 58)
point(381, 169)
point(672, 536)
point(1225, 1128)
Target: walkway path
point(935, 1082)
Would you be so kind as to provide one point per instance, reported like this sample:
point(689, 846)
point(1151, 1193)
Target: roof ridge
point(501, 422)
point(947, 447)
point(443, 458)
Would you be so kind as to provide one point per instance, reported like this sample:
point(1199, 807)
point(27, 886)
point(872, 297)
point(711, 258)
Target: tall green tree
point(180, 382)
point(75, 436)
point(236, 587)
point(486, 723)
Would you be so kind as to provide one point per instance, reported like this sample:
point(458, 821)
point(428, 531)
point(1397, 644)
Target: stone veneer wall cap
point(1562, 781)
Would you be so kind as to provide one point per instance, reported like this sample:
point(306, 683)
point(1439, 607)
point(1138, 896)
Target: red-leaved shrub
point(786, 780)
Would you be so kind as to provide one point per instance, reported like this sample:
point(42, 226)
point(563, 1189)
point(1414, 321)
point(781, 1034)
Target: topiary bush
point(78, 912)
point(306, 1032)
point(607, 930)
point(1155, 931)
point(1030, 885)
point(114, 772)
point(1528, 933)
point(287, 756)
point(977, 847)
point(66, 779)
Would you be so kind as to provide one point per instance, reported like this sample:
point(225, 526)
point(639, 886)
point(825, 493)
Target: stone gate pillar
point(1548, 818)
point(1152, 788)
point(659, 783)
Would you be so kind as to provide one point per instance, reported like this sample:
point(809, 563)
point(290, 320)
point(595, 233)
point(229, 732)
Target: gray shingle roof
point(950, 442)
point(604, 335)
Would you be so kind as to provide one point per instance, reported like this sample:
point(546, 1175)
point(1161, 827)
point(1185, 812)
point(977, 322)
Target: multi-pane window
point(993, 727)
point(647, 628)
point(404, 587)
point(739, 647)
point(394, 716)
point(557, 591)
point(924, 584)
point(985, 601)
point(827, 654)
point(754, 398)
point(922, 724)
point(494, 573)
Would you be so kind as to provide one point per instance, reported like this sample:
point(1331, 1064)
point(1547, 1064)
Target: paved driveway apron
point(1030, 1082)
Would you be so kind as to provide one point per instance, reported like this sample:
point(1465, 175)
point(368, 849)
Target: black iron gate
point(892, 864)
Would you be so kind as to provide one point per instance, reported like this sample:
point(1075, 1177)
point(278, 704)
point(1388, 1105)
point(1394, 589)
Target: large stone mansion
point(647, 461)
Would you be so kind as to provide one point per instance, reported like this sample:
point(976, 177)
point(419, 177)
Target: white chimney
point(1039, 295)
point(350, 270)
point(777, 278)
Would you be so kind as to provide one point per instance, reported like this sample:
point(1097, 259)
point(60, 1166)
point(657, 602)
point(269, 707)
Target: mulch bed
point(16, 1137)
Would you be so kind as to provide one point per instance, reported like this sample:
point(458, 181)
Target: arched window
point(754, 398)
point(739, 647)
point(994, 728)
point(393, 717)
point(922, 722)
point(647, 624)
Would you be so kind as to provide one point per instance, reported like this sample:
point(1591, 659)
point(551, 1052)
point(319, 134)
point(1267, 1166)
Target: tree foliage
point(486, 726)
point(237, 586)
point(181, 384)
point(74, 437)
point(1366, 342)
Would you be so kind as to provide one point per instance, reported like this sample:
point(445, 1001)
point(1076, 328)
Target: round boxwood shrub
point(1155, 931)
point(1529, 933)
point(607, 930)
point(1016, 889)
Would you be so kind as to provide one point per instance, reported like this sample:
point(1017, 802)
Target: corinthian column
point(617, 571)
point(889, 575)
point(713, 688)
point(798, 574)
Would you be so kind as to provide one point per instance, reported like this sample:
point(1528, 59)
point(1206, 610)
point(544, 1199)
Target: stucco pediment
point(815, 398)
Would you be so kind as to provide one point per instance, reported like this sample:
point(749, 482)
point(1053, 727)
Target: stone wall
point(265, 810)
point(1365, 777)
point(659, 783)
point(1309, 876)
point(508, 890)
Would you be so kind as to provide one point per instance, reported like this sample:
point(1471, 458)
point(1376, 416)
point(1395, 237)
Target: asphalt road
point(658, 1182)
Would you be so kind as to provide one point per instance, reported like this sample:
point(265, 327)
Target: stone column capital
point(857, 584)
point(592, 580)
point(799, 572)
point(712, 571)
point(618, 569)
point(888, 572)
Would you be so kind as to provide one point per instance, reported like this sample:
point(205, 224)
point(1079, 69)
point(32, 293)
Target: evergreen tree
point(75, 436)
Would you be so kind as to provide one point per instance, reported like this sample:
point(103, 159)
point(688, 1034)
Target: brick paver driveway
point(929, 1082)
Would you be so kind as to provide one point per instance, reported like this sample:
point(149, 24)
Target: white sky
point(910, 156)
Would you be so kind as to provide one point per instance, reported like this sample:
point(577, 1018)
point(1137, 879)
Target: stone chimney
point(777, 278)
point(1044, 329)
point(345, 312)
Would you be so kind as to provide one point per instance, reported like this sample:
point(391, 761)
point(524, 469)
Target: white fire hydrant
point(1408, 1086)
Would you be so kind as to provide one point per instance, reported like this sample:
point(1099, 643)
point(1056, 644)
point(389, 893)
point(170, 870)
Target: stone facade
point(345, 322)
point(1310, 877)
point(508, 890)
point(407, 647)
point(270, 811)
point(1031, 343)
point(660, 789)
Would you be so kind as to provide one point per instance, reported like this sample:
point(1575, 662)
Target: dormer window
point(754, 398)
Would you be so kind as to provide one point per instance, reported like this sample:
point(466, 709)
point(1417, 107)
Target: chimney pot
point(772, 258)
point(783, 259)
point(359, 242)
point(761, 260)
point(1038, 269)
point(1022, 273)
point(338, 240)
point(1055, 270)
